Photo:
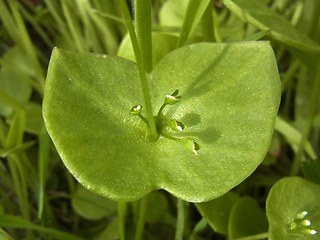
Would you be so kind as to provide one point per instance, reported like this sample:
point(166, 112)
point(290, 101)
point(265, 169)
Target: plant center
point(162, 123)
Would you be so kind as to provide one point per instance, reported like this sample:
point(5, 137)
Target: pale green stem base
point(143, 204)
point(122, 212)
point(180, 221)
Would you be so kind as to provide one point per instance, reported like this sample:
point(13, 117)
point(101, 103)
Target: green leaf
point(288, 199)
point(172, 13)
point(258, 14)
point(16, 61)
point(34, 120)
point(92, 206)
point(15, 88)
point(217, 211)
point(246, 218)
point(228, 108)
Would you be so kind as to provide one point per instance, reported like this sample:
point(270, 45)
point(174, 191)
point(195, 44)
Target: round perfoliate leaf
point(293, 210)
point(230, 97)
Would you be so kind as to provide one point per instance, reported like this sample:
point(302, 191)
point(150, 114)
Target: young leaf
point(293, 209)
point(228, 108)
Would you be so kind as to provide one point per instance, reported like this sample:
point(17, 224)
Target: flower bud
point(192, 146)
point(135, 110)
point(173, 98)
point(176, 125)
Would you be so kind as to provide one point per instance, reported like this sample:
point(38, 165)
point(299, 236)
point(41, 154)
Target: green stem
point(141, 217)
point(141, 68)
point(122, 212)
point(180, 221)
point(144, 119)
point(315, 19)
point(216, 32)
point(207, 24)
point(59, 195)
point(107, 15)
point(143, 29)
point(254, 237)
point(290, 73)
point(170, 137)
point(160, 110)
point(308, 125)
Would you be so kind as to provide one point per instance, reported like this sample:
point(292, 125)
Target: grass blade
point(44, 148)
point(16, 222)
point(293, 136)
point(194, 13)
